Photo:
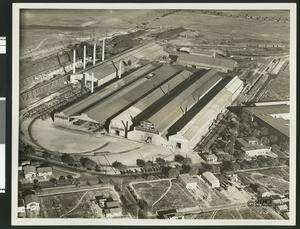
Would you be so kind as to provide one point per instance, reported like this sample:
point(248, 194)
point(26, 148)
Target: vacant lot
point(279, 88)
point(216, 28)
point(247, 213)
point(151, 191)
point(276, 180)
point(73, 205)
point(175, 197)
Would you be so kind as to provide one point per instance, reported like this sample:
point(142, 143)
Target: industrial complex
point(163, 104)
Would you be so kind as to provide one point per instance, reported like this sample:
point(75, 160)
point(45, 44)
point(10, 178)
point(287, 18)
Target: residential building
point(21, 206)
point(188, 181)
point(113, 212)
point(210, 157)
point(281, 208)
point(29, 171)
point(251, 147)
point(44, 171)
point(32, 202)
point(112, 204)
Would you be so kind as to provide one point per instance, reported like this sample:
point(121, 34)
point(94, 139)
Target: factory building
point(251, 147)
point(205, 61)
point(115, 67)
point(166, 105)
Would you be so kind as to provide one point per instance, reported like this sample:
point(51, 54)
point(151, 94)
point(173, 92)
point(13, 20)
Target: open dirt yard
point(63, 140)
point(151, 191)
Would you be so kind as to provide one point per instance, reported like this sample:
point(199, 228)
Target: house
point(251, 147)
point(188, 181)
point(281, 208)
point(112, 204)
point(32, 202)
point(44, 171)
point(276, 202)
point(284, 200)
point(26, 162)
point(175, 215)
point(210, 157)
point(113, 212)
point(101, 200)
point(29, 171)
point(263, 192)
point(211, 179)
point(286, 215)
point(21, 206)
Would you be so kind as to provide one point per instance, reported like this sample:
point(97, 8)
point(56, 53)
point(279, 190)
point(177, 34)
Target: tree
point(173, 173)
point(161, 161)
point(118, 165)
point(194, 171)
point(215, 169)
point(148, 165)
point(273, 139)
point(224, 157)
point(29, 150)
point(67, 159)
point(264, 131)
point(265, 140)
point(90, 164)
point(236, 166)
point(178, 158)
point(54, 181)
point(239, 154)
point(62, 178)
point(70, 177)
point(256, 133)
point(230, 147)
point(140, 162)
point(88, 183)
point(46, 155)
point(284, 146)
point(253, 164)
point(35, 181)
point(187, 161)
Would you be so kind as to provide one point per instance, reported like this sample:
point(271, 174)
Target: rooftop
point(187, 178)
point(204, 60)
point(134, 92)
point(210, 177)
point(165, 117)
point(31, 198)
point(268, 115)
point(44, 169)
point(29, 169)
point(202, 52)
point(112, 204)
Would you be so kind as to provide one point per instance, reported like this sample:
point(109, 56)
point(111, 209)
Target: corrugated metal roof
point(148, 100)
point(173, 110)
point(210, 61)
point(80, 106)
point(134, 92)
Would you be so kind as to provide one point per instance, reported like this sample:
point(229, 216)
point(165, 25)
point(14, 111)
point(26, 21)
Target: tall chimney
point(103, 49)
point(94, 54)
point(92, 89)
point(120, 69)
point(84, 57)
point(74, 61)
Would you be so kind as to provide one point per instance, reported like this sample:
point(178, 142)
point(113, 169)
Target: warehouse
point(211, 179)
point(189, 130)
point(275, 117)
point(206, 62)
point(251, 147)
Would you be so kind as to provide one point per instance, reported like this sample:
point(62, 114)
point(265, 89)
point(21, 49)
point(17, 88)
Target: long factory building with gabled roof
point(162, 104)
